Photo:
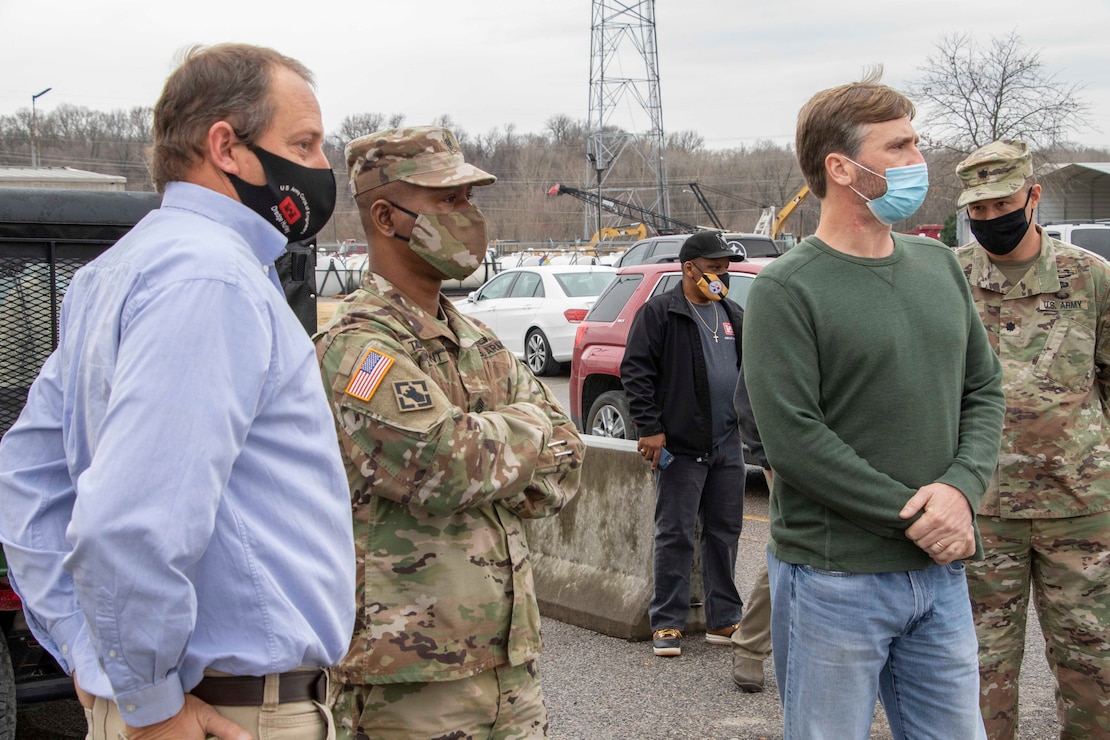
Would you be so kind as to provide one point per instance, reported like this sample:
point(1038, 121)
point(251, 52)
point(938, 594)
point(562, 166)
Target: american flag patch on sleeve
point(369, 375)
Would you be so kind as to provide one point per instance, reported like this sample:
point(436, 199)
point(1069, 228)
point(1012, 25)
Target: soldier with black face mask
point(1045, 518)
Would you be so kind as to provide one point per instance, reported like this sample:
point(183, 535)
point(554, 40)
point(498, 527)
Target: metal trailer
point(46, 235)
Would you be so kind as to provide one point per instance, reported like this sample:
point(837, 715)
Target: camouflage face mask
point(453, 243)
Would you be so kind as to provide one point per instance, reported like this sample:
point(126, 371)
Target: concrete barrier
point(593, 561)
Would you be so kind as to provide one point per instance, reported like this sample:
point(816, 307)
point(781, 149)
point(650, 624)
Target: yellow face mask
point(713, 287)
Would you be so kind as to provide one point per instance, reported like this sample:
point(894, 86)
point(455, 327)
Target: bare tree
point(738, 183)
point(686, 140)
point(355, 126)
point(973, 96)
point(563, 130)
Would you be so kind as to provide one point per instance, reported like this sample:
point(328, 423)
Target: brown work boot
point(747, 673)
point(722, 636)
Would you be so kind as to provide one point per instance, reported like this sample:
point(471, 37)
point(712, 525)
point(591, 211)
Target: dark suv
point(662, 248)
point(597, 402)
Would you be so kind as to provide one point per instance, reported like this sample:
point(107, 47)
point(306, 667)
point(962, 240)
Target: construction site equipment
point(705, 204)
point(634, 232)
point(771, 224)
point(656, 221)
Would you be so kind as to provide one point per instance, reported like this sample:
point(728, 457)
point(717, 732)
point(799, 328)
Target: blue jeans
point(841, 639)
point(710, 489)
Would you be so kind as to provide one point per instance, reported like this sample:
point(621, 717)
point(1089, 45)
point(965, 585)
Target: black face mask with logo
point(1002, 235)
point(296, 200)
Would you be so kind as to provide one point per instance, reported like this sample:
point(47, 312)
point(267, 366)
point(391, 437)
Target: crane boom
point(780, 219)
point(771, 224)
point(705, 204)
point(660, 223)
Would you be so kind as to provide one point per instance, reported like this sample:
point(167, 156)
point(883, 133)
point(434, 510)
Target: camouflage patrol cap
point(428, 156)
point(996, 170)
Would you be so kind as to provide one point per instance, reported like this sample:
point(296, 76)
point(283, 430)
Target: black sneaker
point(665, 642)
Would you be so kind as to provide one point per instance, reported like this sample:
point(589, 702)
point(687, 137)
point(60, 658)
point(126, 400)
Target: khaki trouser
point(753, 638)
point(301, 720)
point(497, 704)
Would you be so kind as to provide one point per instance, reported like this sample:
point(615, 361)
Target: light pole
point(34, 131)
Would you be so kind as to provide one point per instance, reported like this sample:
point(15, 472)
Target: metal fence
point(31, 290)
point(45, 237)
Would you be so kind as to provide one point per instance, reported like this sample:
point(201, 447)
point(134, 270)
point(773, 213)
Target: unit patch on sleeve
point(371, 371)
point(412, 395)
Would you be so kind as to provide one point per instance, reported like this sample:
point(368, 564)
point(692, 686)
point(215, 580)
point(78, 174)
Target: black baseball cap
point(710, 245)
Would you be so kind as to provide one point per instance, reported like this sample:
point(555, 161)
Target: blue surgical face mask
point(906, 188)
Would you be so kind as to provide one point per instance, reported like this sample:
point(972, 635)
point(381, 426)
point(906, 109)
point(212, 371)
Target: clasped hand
point(946, 530)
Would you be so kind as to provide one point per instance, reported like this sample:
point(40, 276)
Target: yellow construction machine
point(772, 224)
point(633, 232)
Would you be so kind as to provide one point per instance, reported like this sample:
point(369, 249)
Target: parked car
point(661, 248)
point(598, 404)
point(1094, 237)
point(534, 310)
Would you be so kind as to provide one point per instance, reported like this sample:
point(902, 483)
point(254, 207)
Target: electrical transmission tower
point(626, 111)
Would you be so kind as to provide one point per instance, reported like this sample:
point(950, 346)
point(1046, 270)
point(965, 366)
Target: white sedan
point(535, 311)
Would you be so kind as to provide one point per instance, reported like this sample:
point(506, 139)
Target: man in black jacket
point(680, 369)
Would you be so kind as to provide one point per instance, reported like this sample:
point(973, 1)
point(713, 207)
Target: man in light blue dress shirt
point(173, 505)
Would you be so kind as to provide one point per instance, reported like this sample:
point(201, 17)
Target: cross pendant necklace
point(716, 319)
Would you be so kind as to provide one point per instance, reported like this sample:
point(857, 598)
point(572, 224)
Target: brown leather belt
point(249, 691)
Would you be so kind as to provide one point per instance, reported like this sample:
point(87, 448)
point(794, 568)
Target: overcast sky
point(735, 71)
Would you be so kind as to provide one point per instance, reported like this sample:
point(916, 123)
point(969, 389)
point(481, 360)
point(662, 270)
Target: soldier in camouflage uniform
point(449, 441)
point(1045, 520)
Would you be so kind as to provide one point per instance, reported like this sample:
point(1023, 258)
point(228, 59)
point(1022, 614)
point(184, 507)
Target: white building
point(65, 178)
point(1074, 192)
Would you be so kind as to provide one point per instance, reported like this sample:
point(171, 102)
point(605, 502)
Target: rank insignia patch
point(412, 395)
point(369, 375)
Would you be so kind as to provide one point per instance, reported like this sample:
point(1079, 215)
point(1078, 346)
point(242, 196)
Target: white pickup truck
point(1093, 236)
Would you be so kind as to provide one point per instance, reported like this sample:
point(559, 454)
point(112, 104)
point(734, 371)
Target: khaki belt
point(249, 691)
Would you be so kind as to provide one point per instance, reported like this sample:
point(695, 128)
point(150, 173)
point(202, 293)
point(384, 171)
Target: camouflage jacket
point(1052, 336)
point(448, 441)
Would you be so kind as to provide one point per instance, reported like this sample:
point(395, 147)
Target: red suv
point(597, 402)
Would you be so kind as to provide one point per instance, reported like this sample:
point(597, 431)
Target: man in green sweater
point(879, 403)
